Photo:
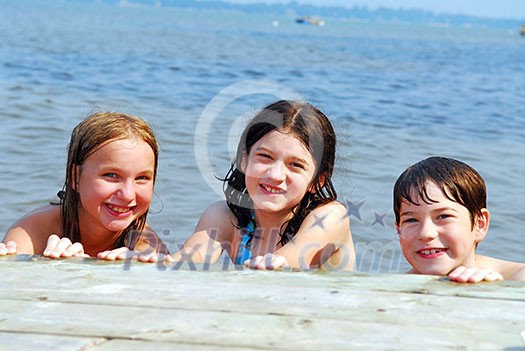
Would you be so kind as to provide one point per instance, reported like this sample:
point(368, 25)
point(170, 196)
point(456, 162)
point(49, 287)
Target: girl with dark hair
point(280, 207)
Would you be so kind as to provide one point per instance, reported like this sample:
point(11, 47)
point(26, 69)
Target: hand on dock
point(8, 248)
point(63, 248)
point(123, 253)
point(267, 262)
point(473, 275)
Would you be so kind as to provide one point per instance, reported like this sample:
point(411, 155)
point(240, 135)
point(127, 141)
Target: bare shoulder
point(330, 220)
point(217, 221)
point(510, 270)
point(333, 208)
point(32, 230)
point(218, 213)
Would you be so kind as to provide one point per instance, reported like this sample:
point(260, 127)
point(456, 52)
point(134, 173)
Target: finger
point(146, 256)
point(76, 248)
point(119, 253)
point(493, 276)
point(256, 263)
point(456, 274)
point(278, 262)
point(82, 255)
point(52, 242)
point(3, 249)
point(485, 275)
point(169, 259)
point(102, 255)
point(466, 275)
point(477, 276)
point(11, 247)
point(62, 245)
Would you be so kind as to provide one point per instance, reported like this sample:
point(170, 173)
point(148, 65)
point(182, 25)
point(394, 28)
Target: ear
point(75, 176)
point(322, 179)
point(244, 162)
point(481, 225)
point(398, 230)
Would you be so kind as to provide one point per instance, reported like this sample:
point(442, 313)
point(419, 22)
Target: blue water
point(396, 94)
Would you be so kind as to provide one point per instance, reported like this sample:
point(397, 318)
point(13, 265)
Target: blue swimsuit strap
point(244, 252)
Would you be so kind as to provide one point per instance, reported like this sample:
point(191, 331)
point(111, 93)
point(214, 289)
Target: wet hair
point(315, 131)
point(459, 182)
point(87, 137)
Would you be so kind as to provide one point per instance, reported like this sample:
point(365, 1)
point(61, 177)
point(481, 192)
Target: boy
point(441, 217)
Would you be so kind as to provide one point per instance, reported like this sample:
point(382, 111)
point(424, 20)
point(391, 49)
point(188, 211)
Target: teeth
point(271, 190)
point(118, 209)
point(430, 251)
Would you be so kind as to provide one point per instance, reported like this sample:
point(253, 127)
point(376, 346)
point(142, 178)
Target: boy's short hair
point(459, 182)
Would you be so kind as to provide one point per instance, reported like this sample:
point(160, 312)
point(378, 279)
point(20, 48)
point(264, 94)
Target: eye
point(145, 178)
point(298, 166)
point(408, 220)
point(110, 175)
point(444, 216)
point(263, 156)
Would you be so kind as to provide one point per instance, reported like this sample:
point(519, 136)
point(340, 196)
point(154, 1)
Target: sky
point(512, 9)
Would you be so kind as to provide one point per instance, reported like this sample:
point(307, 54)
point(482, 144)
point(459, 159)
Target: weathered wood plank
point(13, 341)
point(229, 328)
point(142, 345)
point(282, 310)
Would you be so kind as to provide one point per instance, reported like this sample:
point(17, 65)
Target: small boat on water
point(310, 20)
point(522, 31)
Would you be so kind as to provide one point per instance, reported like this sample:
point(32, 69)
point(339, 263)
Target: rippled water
point(396, 94)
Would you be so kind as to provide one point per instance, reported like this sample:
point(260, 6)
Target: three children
point(281, 207)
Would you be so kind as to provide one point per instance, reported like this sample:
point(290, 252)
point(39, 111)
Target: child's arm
point(324, 241)
point(215, 229)
point(30, 233)
point(149, 248)
point(519, 275)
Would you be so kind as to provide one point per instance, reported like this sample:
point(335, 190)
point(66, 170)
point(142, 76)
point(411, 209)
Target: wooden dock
point(85, 304)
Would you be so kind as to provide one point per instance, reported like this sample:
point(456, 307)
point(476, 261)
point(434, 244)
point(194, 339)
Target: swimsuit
point(244, 252)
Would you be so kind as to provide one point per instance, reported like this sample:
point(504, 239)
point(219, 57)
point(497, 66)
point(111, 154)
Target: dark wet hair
point(87, 137)
point(315, 131)
point(459, 182)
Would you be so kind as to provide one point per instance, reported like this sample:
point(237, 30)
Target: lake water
point(395, 93)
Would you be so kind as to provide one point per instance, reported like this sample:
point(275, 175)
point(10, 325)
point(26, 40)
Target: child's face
point(436, 238)
point(279, 170)
point(116, 185)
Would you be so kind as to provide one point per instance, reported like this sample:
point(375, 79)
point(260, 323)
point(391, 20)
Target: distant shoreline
point(293, 9)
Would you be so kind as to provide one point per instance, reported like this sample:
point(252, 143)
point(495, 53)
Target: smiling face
point(279, 170)
point(115, 186)
point(437, 235)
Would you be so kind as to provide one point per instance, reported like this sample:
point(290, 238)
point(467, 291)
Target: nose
point(276, 171)
point(127, 190)
point(427, 231)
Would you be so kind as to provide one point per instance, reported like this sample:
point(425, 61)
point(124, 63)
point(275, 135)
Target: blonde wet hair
point(87, 137)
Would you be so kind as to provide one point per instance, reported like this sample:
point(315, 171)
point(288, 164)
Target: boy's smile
point(437, 236)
